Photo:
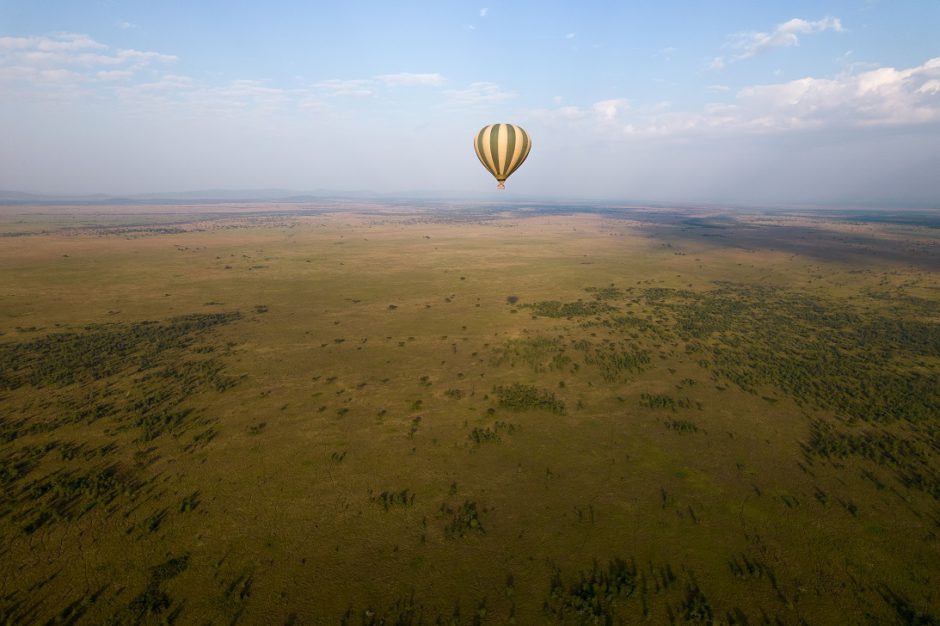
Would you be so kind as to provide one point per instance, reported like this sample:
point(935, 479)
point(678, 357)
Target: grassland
point(475, 414)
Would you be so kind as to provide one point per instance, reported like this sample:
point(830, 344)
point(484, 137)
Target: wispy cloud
point(179, 95)
point(59, 76)
point(138, 57)
point(478, 93)
point(113, 75)
point(785, 35)
point(405, 79)
point(70, 56)
point(354, 87)
point(369, 86)
point(603, 113)
point(847, 61)
point(570, 36)
point(665, 53)
point(168, 83)
point(67, 67)
point(483, 12)
point(61, 42)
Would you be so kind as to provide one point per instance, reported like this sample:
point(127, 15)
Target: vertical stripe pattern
point(502, 148)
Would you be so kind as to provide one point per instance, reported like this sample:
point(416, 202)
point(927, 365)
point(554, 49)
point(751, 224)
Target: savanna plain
point(487, 413)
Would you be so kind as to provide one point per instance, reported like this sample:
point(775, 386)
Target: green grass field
point(368, 414)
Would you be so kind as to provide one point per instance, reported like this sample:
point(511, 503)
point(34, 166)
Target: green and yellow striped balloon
point(502, 148)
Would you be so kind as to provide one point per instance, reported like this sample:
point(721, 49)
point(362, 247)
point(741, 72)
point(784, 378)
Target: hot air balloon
point(502, 148)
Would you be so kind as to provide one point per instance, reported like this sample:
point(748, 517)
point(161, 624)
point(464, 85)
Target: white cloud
point(607, 110)
point(405, 79)
point(783, 36)
point(719, 88)
point(478, 93)
point(931, 87)
point(882, 97)
point(604, 113)
point(570, 36)
point(126, 25)
point(483, 12)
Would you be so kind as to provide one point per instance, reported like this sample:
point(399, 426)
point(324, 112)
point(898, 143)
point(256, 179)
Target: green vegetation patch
point(520, 397)
point(874, 368)
point(614, 361)
point(817, 351)
point(593, 596)
point(540, 353)
point(910, 456)
point(100, 351)
point(464, 520)
point(664, 401)
point(67, 495)
point(388, 499)
point(480, 435)
point(153, 600)
point(579, 308)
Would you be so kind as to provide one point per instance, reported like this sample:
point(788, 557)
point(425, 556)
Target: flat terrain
point(468, 414)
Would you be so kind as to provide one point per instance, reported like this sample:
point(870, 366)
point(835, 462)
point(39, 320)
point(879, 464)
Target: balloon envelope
point(502, 148)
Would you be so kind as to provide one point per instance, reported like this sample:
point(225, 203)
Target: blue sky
point(738, 102)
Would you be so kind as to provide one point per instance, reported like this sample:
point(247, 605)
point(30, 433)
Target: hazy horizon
point(219, 197)
point(828, 104)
